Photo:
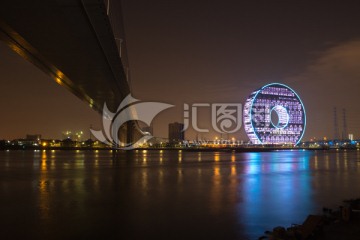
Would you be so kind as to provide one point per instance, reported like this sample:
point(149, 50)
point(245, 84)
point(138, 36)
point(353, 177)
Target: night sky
point(208, 52)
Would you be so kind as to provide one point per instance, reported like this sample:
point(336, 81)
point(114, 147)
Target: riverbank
point(190, 149)
point(333, 224)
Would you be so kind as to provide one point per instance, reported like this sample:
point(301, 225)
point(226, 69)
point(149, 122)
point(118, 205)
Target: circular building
point(274, 114)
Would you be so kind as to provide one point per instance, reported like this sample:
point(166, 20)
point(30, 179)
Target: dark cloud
point(332, 80)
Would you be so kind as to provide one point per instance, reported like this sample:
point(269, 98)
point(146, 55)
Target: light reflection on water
point(276, 190)
point(142, 194)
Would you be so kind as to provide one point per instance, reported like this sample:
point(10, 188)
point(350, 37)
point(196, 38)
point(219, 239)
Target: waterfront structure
point(176, 133)
point(274, 114)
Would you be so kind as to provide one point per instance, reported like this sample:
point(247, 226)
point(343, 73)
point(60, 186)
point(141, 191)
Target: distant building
point(33, 137)
point(30, 140)
point(351, 137)
point(68, 143)
point(176, 133)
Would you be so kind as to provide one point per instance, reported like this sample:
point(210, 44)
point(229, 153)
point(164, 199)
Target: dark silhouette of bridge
point(79, 43)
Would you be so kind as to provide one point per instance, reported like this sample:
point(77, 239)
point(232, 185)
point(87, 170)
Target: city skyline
point(207, 53)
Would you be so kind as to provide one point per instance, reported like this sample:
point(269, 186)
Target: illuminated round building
point(274, 114)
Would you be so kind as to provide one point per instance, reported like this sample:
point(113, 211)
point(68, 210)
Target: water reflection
point(216, 189)
point(275, 186)
point(233, 157)
point(44, 196)
point(161, 156)
point(223, 195)
point(216, 156)
point(180, 156)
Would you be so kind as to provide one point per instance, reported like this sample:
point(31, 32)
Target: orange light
point(58, 80)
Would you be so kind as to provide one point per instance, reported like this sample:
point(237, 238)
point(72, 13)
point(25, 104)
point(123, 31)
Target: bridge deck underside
point(72, 41)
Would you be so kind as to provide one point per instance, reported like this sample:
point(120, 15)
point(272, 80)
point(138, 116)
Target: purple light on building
point(274, 114)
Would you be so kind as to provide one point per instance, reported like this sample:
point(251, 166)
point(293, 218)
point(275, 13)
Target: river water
point(158, 194)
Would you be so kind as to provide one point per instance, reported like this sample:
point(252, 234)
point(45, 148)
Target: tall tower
point(345, 131)
point(336, 126)
point(176, 133)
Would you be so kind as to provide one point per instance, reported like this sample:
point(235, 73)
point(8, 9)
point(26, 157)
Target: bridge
point(79, 43)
